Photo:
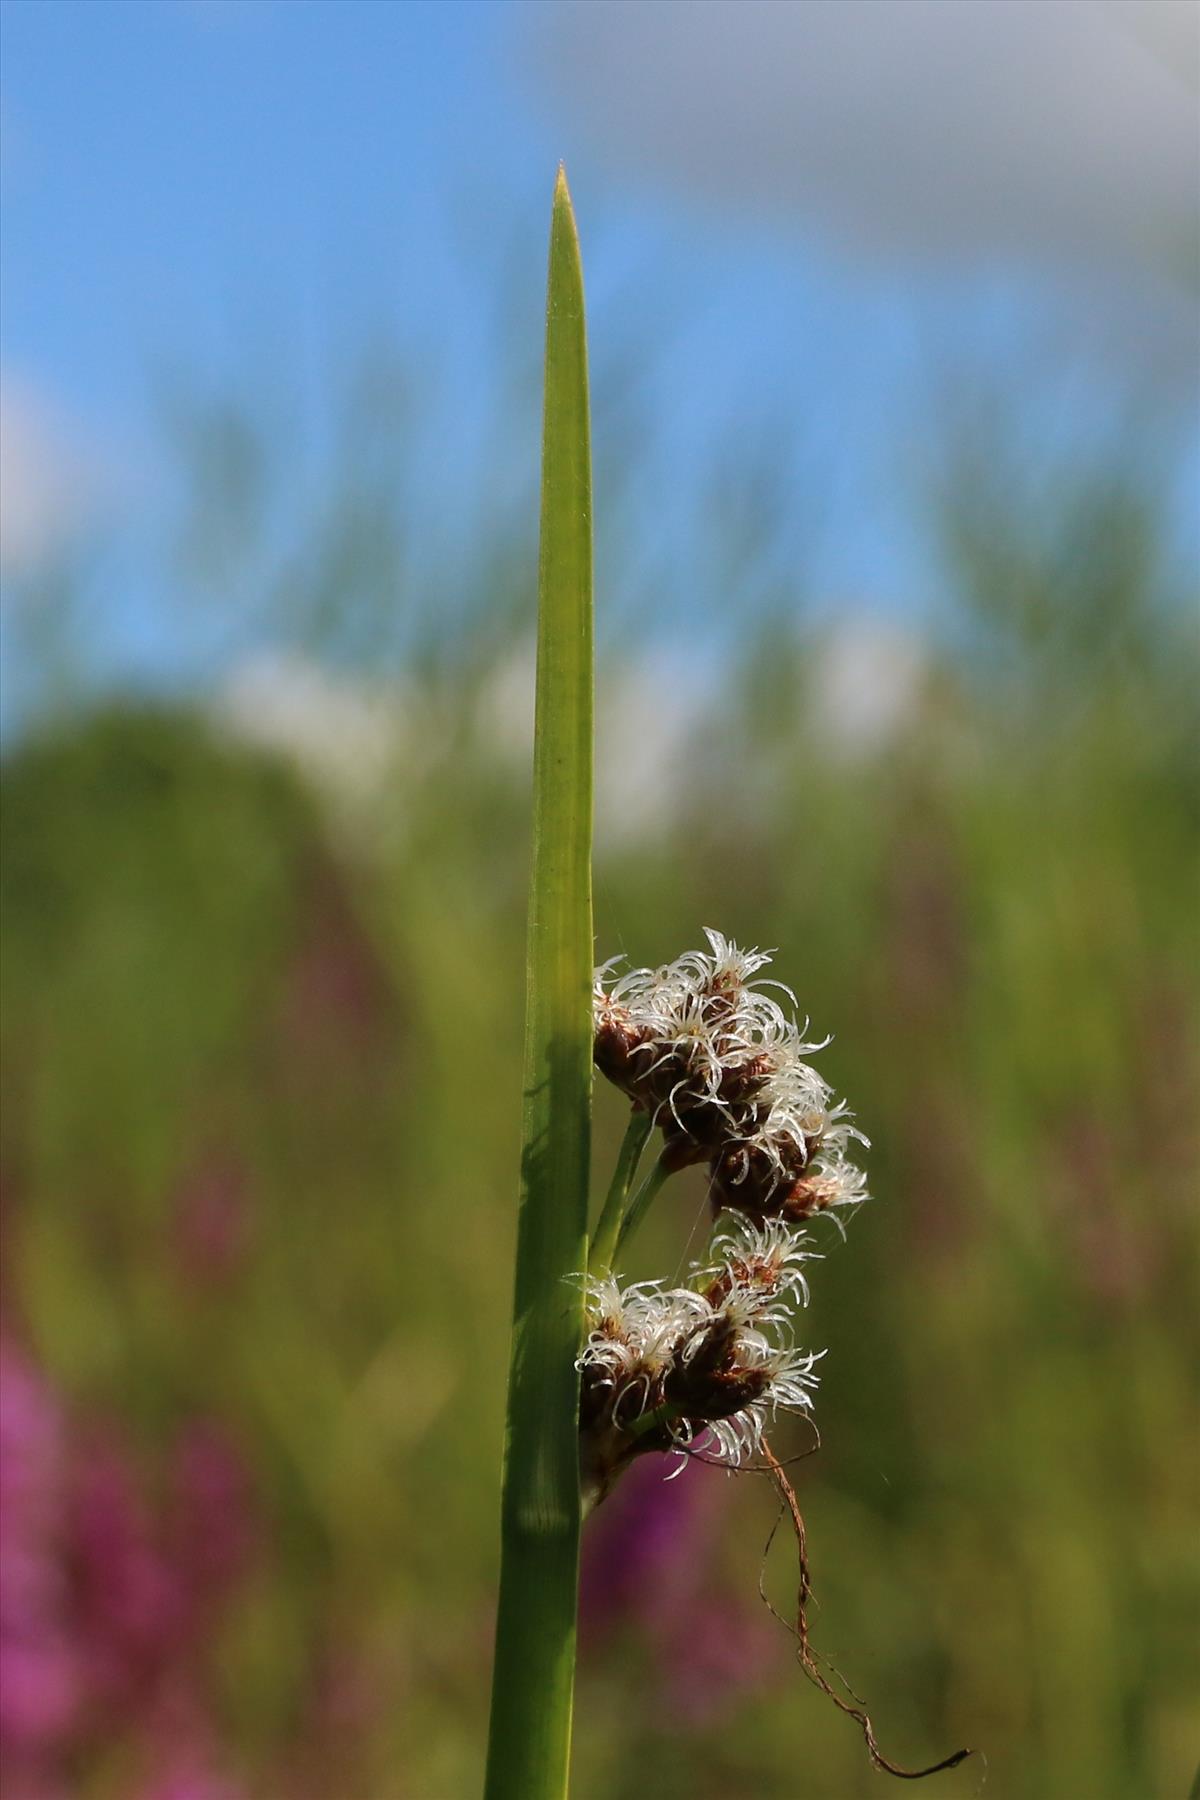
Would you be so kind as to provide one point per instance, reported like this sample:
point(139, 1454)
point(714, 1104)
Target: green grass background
point(210, 963)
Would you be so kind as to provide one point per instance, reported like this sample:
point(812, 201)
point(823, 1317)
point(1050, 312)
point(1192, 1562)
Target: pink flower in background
point(190, 1783)
point(213, 1523)
point(647, 1562)
point(39, 1687)
point(212, 1219)
point(132, 1604)
point(182, 1760)
point(642, 1544)
point(334, 1012)
point(39, 1673)
point(713, 1651)
point(107, 1603)
point(145, 1589)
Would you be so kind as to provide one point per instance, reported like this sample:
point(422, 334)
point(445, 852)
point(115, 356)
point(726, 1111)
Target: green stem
point(640, 1204)
point(604, 1238)
point(662, 1415)
point(529, 1744)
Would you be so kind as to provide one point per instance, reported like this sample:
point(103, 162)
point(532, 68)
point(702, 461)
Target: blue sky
point(227, 187)
point(174, 169)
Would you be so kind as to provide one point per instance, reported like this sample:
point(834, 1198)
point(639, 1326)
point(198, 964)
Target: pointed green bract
point(529, 1745)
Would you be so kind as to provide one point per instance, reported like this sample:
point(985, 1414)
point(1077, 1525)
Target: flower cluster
point(664, 1367)
point(721, 1067)
point(711, 1057)
point(718, 1064)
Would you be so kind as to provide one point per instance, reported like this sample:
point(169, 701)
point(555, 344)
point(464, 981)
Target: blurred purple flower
point(39, 1676)
point(642, 1544)
point(335, 1006)
point(212, 1219)
point(39, 1687)
point(713, 1651)
point(647, 1562)
point(25, 1783)
point(30, 1459)
point(182, 1758)
point(214, 1526)
point(107, 1603)
point(131, 1603)
point(187, 1782)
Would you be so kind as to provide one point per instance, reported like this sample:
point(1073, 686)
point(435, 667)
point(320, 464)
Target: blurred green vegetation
point(261, 1097)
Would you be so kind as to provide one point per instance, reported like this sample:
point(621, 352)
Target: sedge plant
point(714, 1067)
point(534, 1670)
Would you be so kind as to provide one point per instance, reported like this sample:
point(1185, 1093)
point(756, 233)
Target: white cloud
point(649, 717)
point(867, 679)
point(341, 734)
point(356, 740)
point(647, 720)
point(1066, 127)
point(504, 706)
point(49, 484)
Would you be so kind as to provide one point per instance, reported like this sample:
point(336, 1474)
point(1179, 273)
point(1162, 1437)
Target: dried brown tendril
point(799, 1628)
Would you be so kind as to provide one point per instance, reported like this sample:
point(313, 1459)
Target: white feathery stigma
point(721, 1066)
point(682, 1361)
